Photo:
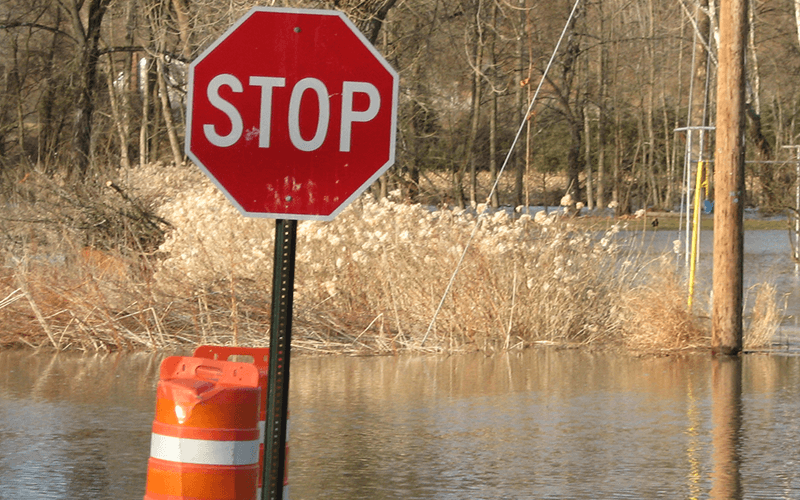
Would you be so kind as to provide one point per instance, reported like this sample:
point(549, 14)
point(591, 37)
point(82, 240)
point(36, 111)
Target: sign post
point(280, 344)
point(292, 113)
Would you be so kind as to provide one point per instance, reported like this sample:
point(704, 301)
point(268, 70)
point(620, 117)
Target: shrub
point(372, 280)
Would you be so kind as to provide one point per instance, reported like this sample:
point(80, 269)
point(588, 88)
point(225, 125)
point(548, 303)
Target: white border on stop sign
point(378, 56)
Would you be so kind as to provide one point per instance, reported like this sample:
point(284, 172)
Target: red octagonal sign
point(292, 113)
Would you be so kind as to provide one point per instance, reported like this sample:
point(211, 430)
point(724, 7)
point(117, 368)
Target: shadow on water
point(547, 424)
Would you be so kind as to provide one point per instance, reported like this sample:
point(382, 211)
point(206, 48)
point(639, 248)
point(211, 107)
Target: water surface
point(537, 424)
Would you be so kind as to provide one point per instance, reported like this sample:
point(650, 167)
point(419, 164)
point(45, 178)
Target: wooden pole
point(726, 329)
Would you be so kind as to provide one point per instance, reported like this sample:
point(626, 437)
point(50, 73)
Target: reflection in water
point(693, 447)
point(546, 424)
point(539, 424)
point(74, 427)
point(727, 417)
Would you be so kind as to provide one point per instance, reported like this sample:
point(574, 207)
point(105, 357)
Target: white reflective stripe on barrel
point(262, 433)
point(203, 452)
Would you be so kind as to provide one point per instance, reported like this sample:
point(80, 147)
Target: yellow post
point(695, 230)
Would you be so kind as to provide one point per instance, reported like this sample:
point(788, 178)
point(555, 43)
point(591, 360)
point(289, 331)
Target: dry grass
point(656, 313)
point(369, 281)
point(765, 318)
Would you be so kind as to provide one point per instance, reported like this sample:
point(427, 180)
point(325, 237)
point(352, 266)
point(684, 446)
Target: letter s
point(223, 141)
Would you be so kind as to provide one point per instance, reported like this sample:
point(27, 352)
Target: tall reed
point(765, 317)
point(369, 281)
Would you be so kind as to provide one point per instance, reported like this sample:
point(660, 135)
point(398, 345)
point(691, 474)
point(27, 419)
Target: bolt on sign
point(292, 113)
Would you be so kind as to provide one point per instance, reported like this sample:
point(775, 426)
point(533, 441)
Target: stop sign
point(292, 113)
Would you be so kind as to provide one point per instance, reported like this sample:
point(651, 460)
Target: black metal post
point(280, 348)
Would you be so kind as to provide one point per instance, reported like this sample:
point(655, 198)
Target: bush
point(372, 280)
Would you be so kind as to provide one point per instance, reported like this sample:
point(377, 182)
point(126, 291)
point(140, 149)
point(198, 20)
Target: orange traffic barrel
point(205, 440)
point(260, 359)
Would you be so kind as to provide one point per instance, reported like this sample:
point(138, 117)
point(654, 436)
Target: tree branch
point(43, 27)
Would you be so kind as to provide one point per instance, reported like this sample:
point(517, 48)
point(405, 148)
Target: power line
point(502, 169)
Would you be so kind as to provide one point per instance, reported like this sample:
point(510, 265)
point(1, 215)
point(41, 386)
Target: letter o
point(294, 114)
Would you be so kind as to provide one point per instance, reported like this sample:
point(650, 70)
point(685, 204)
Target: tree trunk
point(587, 134)
point(368, 15)
point(772, 188)
point(181, 8)
point(9, 84)
point(116, 115)
point(129, 79)
point(495, 198)
point(418, 130)
point(601, 108)
point(573, 159)
point(11, 114)
point(477, 84)
point(144, 130)
point(88, 39)
point(616, 167)
point(654, 191)
point(166, 109)
point(673, 181)
point(47, 136)
point(797, 17)
point(701, 92)
point(616, 122)
point(666, 200)
point(520, 104)
point(156, 114)
point(572, 110)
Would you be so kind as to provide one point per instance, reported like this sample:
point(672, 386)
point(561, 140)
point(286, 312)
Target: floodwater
point(538, 424)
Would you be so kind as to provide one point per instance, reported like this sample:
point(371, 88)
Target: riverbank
point(379, 279)
point(672, 221)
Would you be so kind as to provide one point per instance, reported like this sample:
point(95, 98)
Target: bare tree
point(520, 104)
point(602, 93)
point(87, 36)
point(571, 101)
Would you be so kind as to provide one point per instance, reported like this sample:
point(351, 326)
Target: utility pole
point(726, 329)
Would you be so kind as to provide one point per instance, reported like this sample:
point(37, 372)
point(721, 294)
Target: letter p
point(349, 116)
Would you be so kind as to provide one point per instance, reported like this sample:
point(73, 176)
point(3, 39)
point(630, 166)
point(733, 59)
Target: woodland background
point(90, 86)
